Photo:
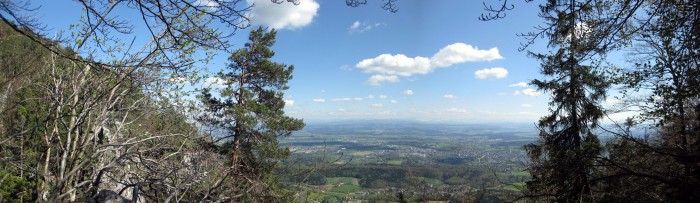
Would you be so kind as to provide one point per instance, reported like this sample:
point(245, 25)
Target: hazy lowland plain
point(377, 160)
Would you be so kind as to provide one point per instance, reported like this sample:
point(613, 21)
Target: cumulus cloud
point(526, 105)
point(496, 72)
point(449, 96)
point(531, 92)
point(348, 99)
point(460, 53)
point(283, 16)
point(398, 64)
point(394, 101)
point(341, 109)
point(371, 96)
point(361, 27)
point(408, 92)
point(377, 105)
point(382, 96)
point(214, 82)
point(377, 80)
point(289, 102)
point(402, 65)
point(320, 100)
point(520, 84)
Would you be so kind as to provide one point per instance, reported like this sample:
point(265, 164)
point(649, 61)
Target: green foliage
point(569, 163)
point(15, 188)
point(657, 165)
point(23, 114)
point(30, 126)
point(562, 161)
point(250, 110)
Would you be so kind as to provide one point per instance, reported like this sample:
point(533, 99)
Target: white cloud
point(283, 16)
point(520, 84)
point(376, 80)
point(355, 25)
point(320, 100)
point(460, 53)
point(341, 110)
point(371, 96)
point(408, 92)
point(208, 3)
point(348, 99)
point(612, 101)
point(394, 101)
point(289, 102)
point(526, 105)
point(496, 72)
point(377, 105)
point(449, 96)
point(398, 64)
point(402, 65)
point(457, 110)
point(361, 27)
point(214, 82)
point(531, 92)
point(382, 96)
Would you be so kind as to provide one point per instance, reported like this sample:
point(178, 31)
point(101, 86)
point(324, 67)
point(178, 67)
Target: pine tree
point(562, 161)
point(250, 110)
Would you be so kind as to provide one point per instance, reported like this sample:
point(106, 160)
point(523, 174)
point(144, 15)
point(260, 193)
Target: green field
point(394, 162)
point(345, 188)
point(362, 153)
point(520, 173)
point(343, 184)
point(342, 180)
point(515, 186)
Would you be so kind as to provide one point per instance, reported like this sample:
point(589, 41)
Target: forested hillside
point(74, 130)
point(74, 133)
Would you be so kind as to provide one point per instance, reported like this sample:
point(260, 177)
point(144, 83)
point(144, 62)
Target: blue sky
point(328, 55)
point(430, 61)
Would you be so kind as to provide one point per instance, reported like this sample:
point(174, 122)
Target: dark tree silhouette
point(389, 5)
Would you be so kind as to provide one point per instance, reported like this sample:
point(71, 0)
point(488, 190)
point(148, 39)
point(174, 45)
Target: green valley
point(378, 160)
